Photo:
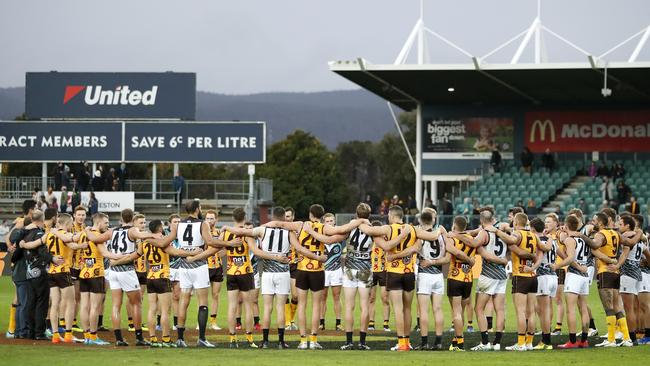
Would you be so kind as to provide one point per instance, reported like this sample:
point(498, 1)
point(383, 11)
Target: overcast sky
point(250, 46)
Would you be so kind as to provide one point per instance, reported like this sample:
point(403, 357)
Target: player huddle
point(550, 263)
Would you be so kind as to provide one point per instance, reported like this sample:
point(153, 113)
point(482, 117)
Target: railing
point(20, 188)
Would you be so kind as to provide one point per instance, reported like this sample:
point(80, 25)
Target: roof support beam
point(477, 66)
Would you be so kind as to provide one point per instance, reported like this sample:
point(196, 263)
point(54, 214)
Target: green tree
point(304, 172)
point(379, 169)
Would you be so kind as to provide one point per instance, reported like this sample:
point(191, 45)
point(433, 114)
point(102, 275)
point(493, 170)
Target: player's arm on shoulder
point(98, 238)
point(630, 241)
point(375, 231)
point(569, 253)
point(490, 257)
point(129, 258)
point(34, 243)
point(293, 238)
point(239, 231)
point(423, 234)
point(459, 254)
point(218, 242)
point(324, 238)
point(134, 234)
point(164, 241)
point(287, 225)
point(509, 239)
point(413, 249)
point(343, 229)
point(476, 241)
point(101, 247)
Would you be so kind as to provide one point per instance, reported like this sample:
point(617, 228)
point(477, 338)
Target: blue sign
point(105, 95)
point(60, 141)
point(195, 142)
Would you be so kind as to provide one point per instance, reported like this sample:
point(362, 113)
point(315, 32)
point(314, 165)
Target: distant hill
point(333, 117)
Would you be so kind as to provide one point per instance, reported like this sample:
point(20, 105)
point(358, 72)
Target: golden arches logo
point(542, 126)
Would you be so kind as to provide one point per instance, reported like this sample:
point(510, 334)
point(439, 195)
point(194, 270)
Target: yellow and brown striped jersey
point(92, 260)
point(314, 246)
point(157, 260)
point(238, 260)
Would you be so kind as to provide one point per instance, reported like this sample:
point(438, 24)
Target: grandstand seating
point(563, 187)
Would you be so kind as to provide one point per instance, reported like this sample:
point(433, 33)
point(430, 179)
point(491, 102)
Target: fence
point(20, 188)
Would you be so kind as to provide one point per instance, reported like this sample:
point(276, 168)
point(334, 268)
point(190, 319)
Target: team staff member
point(60, 242)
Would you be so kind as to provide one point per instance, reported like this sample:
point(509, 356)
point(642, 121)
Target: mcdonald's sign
point(587, 131)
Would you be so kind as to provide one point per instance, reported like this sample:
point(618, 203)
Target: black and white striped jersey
point(275, 241)
point(548, 258)
point(632, 265)
point(497, 247)
point(121, 244)
point(359, 250)
point(190, 239)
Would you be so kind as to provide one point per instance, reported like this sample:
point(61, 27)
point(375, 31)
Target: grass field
point(42, 352)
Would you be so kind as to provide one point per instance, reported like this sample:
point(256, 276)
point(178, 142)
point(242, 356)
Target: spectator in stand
point(63, 205)
point(548, 160)
point(520, 204)
point(412, 206)
point(75, 200)
point(93, 204)
point(97, 183)
point(465, 207)
point(383, 207)
point(527, 160)
point(593, 170)
point(619, 172)
point(49, 196)
point(634, 206)
point(623, 192)
point(108, 180)
point(582, 205)
point(122, 174)
point(58, 175)
point(607, 189)
point(531, 208)
point(179, 186)
point(36, 194)
point(65, 177)
point(447, 210)
point(54, 204)
point(83, 176)
point(428, 203)
point(41, 204)
point(603, 171)
point(476, 213)
point(495, 160)
point(396, 201)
